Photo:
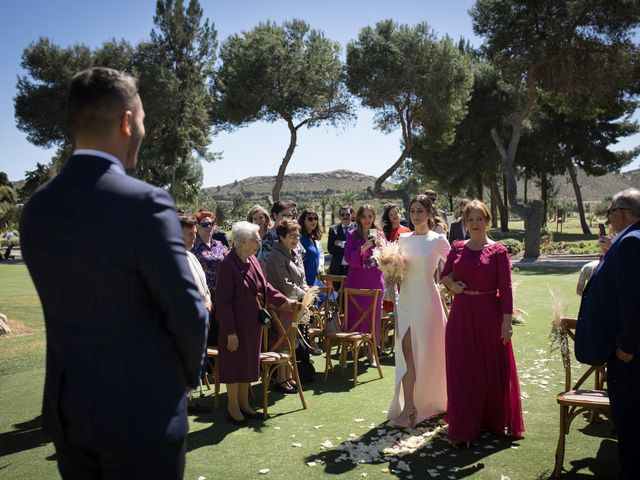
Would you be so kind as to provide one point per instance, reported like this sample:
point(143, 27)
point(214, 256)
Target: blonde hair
point(259, 209)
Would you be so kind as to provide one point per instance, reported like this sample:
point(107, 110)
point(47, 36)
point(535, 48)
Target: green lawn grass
point(215, 450)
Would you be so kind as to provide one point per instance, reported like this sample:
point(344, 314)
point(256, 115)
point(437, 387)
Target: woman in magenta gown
point(482, 381)
point(363, 269)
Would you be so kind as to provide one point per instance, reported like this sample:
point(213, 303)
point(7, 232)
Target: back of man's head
point(629, 200)
point(97, 99)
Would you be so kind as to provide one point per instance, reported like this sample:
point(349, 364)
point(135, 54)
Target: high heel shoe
point(238, 423)
point(253, 416)
point(406, 419)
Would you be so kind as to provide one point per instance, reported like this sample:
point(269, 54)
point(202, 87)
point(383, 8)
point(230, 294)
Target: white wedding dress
point(420, 310)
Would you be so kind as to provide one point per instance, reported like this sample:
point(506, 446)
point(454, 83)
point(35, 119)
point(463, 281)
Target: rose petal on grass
point(296, 444)
point(311, 464)
point(358, 420)
point(263, 471)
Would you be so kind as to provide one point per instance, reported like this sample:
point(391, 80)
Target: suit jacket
point(609, 316)
point(336, 232)
point(122, 313)
point(455, 231)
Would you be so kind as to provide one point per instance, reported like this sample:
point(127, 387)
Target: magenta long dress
point(363, 273)
point(482, 381)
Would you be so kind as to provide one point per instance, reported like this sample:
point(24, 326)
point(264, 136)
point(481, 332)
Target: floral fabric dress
point(482, 381)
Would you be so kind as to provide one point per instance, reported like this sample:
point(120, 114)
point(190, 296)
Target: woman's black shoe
point(254, 416)
point(284, 387)
point(239, 423)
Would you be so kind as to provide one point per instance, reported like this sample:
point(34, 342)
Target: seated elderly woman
point(242, 290)
point(285, 271)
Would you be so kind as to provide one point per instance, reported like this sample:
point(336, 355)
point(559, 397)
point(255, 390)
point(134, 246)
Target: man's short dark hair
point(187, 220)
point(99, 96)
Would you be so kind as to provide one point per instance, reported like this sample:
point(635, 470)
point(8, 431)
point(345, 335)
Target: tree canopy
point(573, 52)
point(287, 72)
point(413, 82)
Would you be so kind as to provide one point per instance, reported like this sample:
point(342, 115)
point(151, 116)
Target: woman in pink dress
point(482, 381)
point(363, 269)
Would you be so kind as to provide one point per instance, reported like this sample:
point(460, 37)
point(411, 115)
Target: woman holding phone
point(363, 269)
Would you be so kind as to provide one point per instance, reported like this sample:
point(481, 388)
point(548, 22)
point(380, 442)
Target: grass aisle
point(343, 425)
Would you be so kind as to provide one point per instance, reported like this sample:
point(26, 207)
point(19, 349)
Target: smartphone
point(603, 231)
point(373, 232)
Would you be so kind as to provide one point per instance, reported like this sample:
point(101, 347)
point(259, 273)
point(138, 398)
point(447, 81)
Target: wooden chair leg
point(216, 384)
point(356, 354)
point(265, 393)
point(296, 376)
point(564, 412)
point(327, 355)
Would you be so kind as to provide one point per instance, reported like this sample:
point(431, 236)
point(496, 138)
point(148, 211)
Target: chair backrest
point(328, 278)
point(285, 336)
point(321, 311)
point(568, 337)
point(362, 314)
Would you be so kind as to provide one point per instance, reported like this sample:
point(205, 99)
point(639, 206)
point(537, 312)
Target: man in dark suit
point(608, 329)
point(457, 230)
point(122, 313)
point(337, 239)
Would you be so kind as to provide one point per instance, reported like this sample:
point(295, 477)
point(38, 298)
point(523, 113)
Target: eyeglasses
point(293, 235)
point(206, 224)
point(611, 210)
point(312, 219)
point(345, 215)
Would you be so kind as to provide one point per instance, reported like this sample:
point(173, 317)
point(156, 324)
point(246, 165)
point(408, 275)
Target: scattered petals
point(311, 464)
point(296, 444)
point(263, 471)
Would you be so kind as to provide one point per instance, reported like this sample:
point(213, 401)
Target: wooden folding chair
point(387, 323)
point(212, 361)
point(329, 279)
point(271, 359)
point(574, 400)
point(351, 338)
point(320, 313)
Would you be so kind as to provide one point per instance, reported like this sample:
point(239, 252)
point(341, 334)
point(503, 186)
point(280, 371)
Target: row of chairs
point(348, 337)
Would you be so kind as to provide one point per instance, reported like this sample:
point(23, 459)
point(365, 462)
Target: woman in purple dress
point(482, 381)
point(242, 289)
point(363, 269)
point(209, 253)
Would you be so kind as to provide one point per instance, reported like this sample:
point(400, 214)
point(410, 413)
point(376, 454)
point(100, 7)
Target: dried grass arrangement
point(390, 261)
point(557, 337)
point(308, 299)
point(519, 314)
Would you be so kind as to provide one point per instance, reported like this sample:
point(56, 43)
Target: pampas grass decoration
point(557, 337)
point(308, 299)
point(518, 313)
point(390, 261)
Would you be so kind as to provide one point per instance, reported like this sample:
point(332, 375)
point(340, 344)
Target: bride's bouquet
point(390, 261)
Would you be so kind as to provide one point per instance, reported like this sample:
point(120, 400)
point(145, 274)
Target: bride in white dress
point(420, 386)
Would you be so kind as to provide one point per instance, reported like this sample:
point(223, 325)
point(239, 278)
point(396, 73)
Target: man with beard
point(106, 254)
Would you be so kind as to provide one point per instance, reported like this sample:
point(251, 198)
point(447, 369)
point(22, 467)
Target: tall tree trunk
point(275, 193)
point(531, 213)
point(479, 187)
point(494, 204)
point(526, 184)
point(544, 194)
point(450, 198)
point(502, 207)
point(573, 175)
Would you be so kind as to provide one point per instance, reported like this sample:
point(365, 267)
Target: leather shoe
point(239, 423)
point(284, 387)
point(254, 416)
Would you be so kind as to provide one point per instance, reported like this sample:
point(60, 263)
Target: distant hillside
point(313, 186)
point(299, 186)
point(594, 189)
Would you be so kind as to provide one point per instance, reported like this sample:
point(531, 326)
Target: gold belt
point(476, 292)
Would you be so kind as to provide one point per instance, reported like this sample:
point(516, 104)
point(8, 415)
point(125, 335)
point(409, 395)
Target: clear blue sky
point(253, 150)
